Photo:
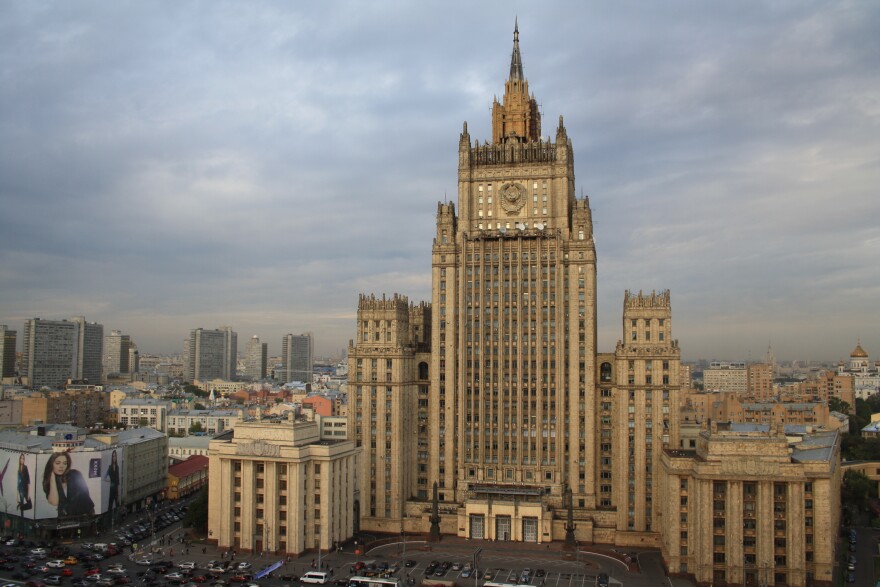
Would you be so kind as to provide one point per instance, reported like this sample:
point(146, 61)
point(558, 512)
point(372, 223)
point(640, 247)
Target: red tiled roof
point(191, 465)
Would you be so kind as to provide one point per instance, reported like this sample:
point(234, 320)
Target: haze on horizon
point(166, 166)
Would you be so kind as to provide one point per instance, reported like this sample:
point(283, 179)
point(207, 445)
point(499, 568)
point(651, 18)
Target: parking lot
point(495, 569)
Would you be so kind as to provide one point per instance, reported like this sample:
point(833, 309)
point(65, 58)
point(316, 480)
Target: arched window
point(605, 372)
point(423, 370)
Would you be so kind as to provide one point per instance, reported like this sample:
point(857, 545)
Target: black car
point(431, 567)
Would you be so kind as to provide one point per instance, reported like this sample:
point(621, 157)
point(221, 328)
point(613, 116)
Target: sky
point(177, 164)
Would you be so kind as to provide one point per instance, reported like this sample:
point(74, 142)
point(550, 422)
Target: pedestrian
point(204, 550)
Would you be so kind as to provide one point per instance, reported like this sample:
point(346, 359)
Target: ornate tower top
point(517, 118)
point(516, 69)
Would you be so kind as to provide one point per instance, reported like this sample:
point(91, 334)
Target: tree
point(857, 489)
point(835, 404)
point(197, 515)
point(195, 390)
point(199, 406)
point(196, 427)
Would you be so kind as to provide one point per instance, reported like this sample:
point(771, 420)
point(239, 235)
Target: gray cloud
point(172, 165)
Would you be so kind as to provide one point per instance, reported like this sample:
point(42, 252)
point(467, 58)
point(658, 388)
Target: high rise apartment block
point(495, 393)
point(207, 354)
point(230, 353)
point(256, 359)
point(7, 351)
point(297, 357)
point(117, 347)
point(55, 351)
point(760, 381)
point(89, 344)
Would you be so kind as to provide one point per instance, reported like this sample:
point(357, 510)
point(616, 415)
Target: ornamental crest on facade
point(513, 197)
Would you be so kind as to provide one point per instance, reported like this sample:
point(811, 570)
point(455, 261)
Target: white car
point(40, 552)
point(187, 565)
point(243, 566)
point(116, 571)
point(173, 576)
point(144, 561)
point(56, 564)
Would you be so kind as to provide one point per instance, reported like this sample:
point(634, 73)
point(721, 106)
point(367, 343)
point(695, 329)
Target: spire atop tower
point(516, 68)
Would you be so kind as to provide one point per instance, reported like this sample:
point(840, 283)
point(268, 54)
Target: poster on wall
point(60, 484)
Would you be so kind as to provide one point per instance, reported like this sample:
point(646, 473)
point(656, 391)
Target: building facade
point(144, 411)
point(276, 485)
point(256, 359)
point(751, 506)
point(89, 351)
point(117, 348)
point(56, 351)
point(180, 422)
point(207, 354)
point(864, 374)
point(297, 357)
point(726, 376)
point(7, 352)
point(145, 453)
point(83, 408)
point(187, 477)
point(493, 393)
point(48, 352)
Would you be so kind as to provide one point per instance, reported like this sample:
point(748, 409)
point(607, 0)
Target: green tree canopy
point(197, 515)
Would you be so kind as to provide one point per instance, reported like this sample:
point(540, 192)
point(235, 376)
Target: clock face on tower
point(513, 196)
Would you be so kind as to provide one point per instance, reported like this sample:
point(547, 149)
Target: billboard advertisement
point(60, 484)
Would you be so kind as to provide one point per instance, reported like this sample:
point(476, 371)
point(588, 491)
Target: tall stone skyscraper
point(256, 359)
point(7, 351)
point(492, 392)
point(297, 357)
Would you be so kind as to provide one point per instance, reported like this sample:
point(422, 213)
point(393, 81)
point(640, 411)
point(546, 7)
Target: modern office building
point(256, 359)
point(494, 391)
point(230, 353)
point(726, 376)
point(55, 351)
point(207, 354)
point(89, 347)
point(297, 357)
point(7, 352)
point(48, 352)
point(117, 347)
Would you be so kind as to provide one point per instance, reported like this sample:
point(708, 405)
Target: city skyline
point(189, 167)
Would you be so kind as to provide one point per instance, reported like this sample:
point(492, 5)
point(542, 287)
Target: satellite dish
point(520, 226)
point(502, 230)
point(540, 226)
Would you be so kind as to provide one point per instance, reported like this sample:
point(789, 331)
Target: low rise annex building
point(753, 505)
point(278, 485)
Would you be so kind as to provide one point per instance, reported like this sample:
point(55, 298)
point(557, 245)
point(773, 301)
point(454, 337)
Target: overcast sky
point(171, 165)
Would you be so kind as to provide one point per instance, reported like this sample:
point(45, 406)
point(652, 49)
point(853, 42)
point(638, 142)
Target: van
point(319, 577)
